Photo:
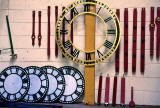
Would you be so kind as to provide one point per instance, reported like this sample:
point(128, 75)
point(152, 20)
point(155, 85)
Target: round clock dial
point(107, 25)
point(56, 83)
point(74, 84)
point(14, 83)
point(38, 84)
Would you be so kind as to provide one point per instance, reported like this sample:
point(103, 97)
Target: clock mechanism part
point(74, 84)
point(126, 40)
point(114, 91)
point(13, 55)
point(99, 90)
point(122, 100)
point(82, 56)
point(117, 53)
point(39, 28)
point(56, 83)
point(134, 44)
point(142, 59)
point(39, 84)
point(14, 83)
point(158, 33)
point(152, 28)
point(33, 28)
point(56, 18)
point(132, 103)
point(107, 86)
point(49, 32)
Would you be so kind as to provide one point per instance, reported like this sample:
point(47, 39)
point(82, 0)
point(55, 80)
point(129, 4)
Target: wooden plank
point(90, 45)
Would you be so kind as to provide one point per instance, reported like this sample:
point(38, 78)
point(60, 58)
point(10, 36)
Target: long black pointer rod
point(10, 38)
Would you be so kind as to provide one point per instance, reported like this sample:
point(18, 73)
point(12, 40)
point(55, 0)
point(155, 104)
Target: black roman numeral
point(64, 31)
point(86, 8)
point(107, 19)
point(67, 20)
point(88, 56)
point(111, 31)
point(108, 44)
point(67, 45)
point(75, 12)
point(76, 53)
point(99, 54)
point(99, 10)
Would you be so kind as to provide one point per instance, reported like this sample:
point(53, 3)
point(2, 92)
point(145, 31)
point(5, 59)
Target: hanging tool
point(99, 90)
point(134, 45)
point(33, 28)
point(122, 102)
point(48, 45)
point(152, 28)
point(106, 100)
point(10, 40)
point(158, 33)
point(114, 91)
point(132, 103)
point(117, 57)
point(56, 17)
point(142, 60)
point(39, 29)
point(126, 40)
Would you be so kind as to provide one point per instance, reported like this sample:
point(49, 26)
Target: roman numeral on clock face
point(108, 44)
point(112, 31)
point(107, 19)
point(88, 56)
point(76, 53)
point(99, 54)
point(75, 12)
point(86, 8)
point(67, 45)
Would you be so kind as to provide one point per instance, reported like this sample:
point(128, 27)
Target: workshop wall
point(20, 16)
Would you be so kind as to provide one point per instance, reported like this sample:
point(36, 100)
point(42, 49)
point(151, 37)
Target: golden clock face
point(107, 32)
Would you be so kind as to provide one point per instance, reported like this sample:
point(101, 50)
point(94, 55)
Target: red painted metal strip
point(33, 28)
point(56, 17)
point(114, 91)
point(118, 49)
point(72, 12)
point(122, 91)
point(106, 100)
point(152, 28)
point(132, 103)
point(99, 90)
point(158, 33)
point(48, 47)
point(134, 41)
point(126, 41)
point(39, 28)
point(142, 62)
point(63, 30)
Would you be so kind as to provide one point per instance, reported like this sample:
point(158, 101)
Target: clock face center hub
point(13, 83)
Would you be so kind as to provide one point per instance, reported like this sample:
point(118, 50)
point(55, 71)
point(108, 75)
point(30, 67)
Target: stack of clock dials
point(41, 84)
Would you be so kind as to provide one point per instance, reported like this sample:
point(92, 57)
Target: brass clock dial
point(110, 33)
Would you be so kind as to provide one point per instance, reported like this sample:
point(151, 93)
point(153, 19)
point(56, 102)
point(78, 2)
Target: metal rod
point(10, 37)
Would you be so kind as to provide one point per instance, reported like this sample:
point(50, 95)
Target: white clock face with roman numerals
point(14, 83)
point(107, 32)
point(74, 84)
point(38, 84)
